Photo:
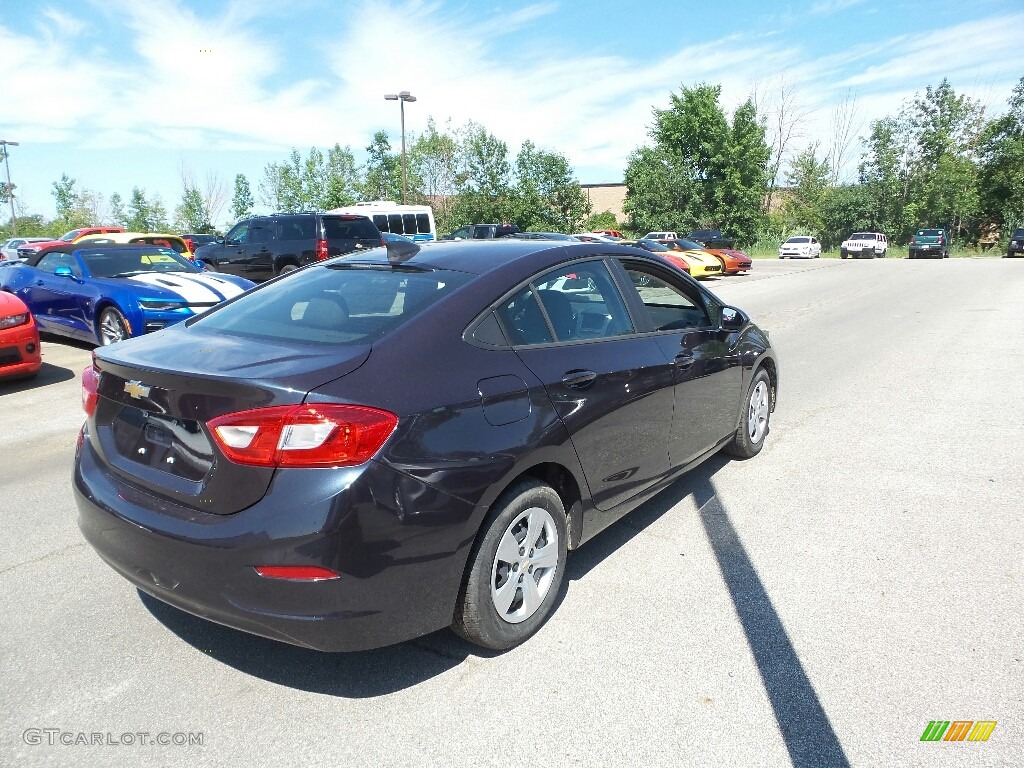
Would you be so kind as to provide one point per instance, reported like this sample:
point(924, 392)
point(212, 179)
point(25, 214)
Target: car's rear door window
point(297, 227)
point(576, 302)
point(355, 228)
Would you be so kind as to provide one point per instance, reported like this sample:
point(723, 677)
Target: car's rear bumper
point(399, 545)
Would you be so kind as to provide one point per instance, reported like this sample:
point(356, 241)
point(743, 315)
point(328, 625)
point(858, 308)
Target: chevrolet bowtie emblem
point(136, 389)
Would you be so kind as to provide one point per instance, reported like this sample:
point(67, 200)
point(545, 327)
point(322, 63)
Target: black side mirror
point(732, 319)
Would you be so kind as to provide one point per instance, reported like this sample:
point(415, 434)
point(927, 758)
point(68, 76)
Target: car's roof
point(482, 256)
point(124, 236)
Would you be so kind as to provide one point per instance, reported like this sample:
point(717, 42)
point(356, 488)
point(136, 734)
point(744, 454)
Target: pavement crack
point(40, 558)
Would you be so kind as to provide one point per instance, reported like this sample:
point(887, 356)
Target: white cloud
point(62, 25)
point(827, 7)
point(167, 76)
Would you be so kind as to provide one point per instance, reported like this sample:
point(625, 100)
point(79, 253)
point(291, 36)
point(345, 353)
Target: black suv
point(266, 246)
point(711, 238)
point(1016, 245)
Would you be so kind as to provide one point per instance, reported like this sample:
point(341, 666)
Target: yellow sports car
point(701, 262)
point(698, 263)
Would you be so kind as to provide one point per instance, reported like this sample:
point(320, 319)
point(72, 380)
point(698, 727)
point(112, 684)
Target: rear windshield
point(650, 245)
point(336, 227)
point(929, 232)
point(336, 305)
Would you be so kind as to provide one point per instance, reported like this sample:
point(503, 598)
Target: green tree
point(545, 196)
point(272, 186)
point(885, 171)
point(382, 174)
point(340, 186)
point(71, 213)
point(191, 214)
point(6, 192)
point(140, 218)
point(117, 215)
point(158, 215)
point(601, 220)
point(702, 170)
point(434, 158)
point(1001, 172)
point(808, 177)
point(242, 202)
point(484, 178)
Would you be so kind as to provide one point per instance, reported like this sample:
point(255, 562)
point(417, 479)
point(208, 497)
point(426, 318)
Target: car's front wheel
point(516, 568)
point(209, 266)
point(757, 411)
point(112, 327)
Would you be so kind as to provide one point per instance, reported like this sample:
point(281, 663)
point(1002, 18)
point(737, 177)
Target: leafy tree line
point(938, 162)
point(468, 175)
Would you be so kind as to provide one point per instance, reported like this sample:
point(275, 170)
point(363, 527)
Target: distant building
point(606, 197)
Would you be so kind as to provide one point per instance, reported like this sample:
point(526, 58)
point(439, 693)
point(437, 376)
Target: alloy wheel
point(524, 565)
point(757, 412)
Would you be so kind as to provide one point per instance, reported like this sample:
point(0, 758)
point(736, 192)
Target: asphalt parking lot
point(817, 605)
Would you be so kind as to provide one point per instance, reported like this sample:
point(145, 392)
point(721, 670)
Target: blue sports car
point(106, 293)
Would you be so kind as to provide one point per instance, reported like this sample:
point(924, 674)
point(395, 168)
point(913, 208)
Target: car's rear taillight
point(940, 239)
point(312, 435)
point(90, 389)
point(321, 250)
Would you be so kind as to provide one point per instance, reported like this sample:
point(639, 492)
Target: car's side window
point(582, 302)
point(523, 319)
point(51, 261)
point(671, 306)
point(262, 231)
point(239, 234)
point(577, 302)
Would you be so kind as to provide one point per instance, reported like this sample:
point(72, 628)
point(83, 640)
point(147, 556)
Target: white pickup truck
point(864, 245)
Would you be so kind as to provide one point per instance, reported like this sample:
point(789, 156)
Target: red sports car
point(19, 339)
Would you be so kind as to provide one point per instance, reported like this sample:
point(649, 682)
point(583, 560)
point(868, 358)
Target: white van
point(414, 221)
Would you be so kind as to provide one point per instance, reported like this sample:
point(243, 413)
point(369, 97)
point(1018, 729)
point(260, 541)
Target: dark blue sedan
point(382, 445)
point(106, 293)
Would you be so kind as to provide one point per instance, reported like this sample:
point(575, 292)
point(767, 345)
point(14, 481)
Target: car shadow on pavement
point(803, 722)
point(48, 374)
point(356, 675)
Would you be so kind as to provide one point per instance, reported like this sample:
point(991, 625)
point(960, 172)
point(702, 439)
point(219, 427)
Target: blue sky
point(123, 93)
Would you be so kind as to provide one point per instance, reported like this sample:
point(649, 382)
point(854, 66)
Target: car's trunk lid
point(150, 421)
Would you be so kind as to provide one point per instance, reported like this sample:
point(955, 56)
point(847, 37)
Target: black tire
point(288, 267)
point(842, 254)
point(111, 327)
point(209, 267)
point(745, 445)
point(476, 616)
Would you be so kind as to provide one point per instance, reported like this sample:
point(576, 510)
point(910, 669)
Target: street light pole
point(401, 97)
point(10, 190)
